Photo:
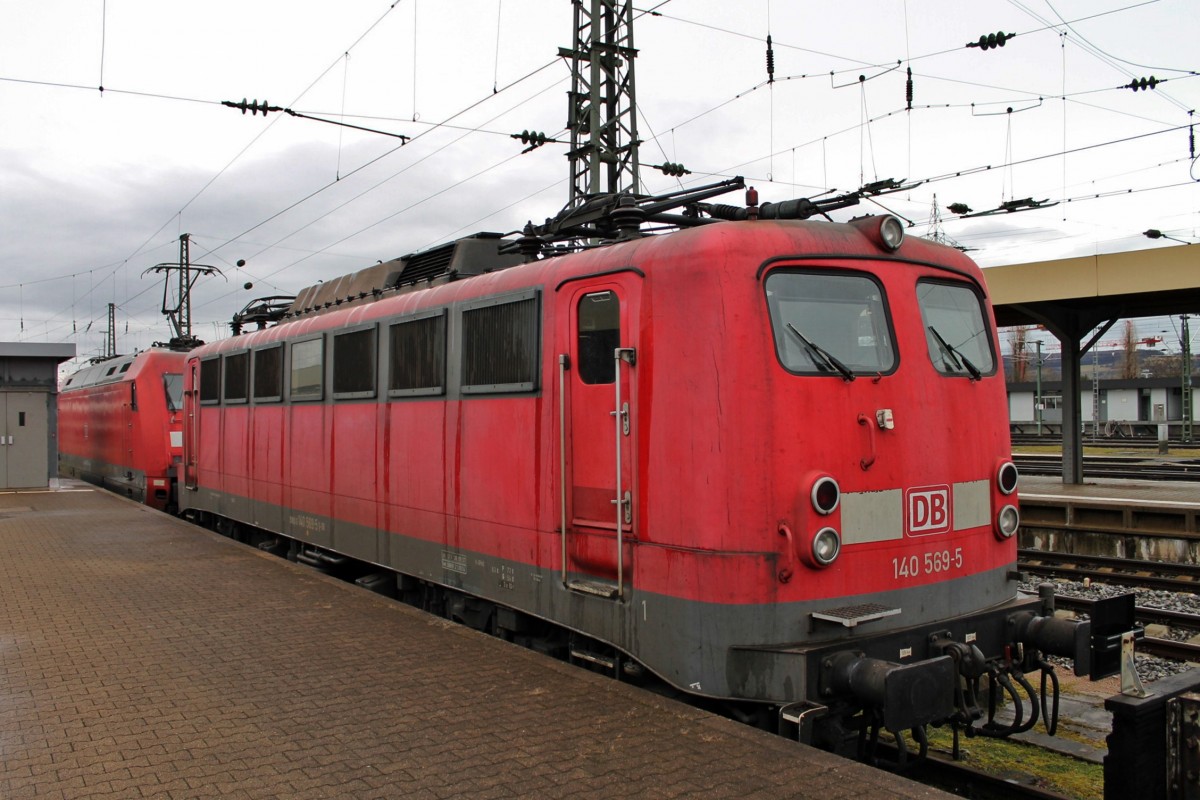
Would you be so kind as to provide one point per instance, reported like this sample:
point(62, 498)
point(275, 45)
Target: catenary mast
point(602, 111)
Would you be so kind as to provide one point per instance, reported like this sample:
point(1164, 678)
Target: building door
point(24, 440)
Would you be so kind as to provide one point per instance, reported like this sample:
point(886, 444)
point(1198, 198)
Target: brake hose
point(991, 728)
point(1033, 703)
point(1051, 719)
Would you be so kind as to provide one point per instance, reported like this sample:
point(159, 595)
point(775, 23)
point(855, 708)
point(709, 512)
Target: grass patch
point(1055, 772)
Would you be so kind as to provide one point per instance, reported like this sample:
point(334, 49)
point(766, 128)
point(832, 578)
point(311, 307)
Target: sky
point(96, 187)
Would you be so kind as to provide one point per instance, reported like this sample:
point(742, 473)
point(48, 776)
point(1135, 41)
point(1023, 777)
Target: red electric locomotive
point(766, 460)
point(120, 425)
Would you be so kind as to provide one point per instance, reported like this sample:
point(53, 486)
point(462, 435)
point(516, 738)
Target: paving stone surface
point(141, 656)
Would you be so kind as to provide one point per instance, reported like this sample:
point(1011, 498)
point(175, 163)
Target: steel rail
point(1128, 467)
point(1104, 569)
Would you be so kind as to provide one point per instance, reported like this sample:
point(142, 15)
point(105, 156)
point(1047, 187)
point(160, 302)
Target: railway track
point(958, 778)
point(1131, 443)
point(1161, 575)
point(1137, 574)
point(1151, 645)
point(1126, 467)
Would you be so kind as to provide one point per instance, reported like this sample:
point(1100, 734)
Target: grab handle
point(863, 419)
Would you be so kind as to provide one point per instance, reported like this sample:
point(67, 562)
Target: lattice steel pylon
point(110, 339)
point(1185, 374)
point(602, 108)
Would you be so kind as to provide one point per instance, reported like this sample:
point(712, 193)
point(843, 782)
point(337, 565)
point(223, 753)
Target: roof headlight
point(891, 231)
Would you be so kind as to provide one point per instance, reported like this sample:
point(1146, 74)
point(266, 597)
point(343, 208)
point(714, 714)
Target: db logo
point(928, 509)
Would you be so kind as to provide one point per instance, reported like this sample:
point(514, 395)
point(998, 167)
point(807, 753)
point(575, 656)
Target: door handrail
point(621, 419)
point(564, 362)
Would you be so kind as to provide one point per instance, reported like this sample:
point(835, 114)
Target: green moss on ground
point(1011, 758)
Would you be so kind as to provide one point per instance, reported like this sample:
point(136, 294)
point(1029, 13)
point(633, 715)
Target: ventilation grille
point(473, 255)
point(500, 347)
point(428, 265)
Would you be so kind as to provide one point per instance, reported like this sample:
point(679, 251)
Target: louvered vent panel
point(427, 265)
point(500, 347)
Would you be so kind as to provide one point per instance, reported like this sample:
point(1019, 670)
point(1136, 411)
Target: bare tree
point(1129, 353)
point(1020, 358)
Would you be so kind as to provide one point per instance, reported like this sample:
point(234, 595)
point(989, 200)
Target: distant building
point(1119, 406)
point(29, 412)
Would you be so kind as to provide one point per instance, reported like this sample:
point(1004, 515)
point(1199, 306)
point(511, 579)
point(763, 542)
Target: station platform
point(1144, 520)
point(141, 656)
point(1149, 493)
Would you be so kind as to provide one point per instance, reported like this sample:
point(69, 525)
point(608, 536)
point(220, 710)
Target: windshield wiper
point(822, 357)
point(961, 361)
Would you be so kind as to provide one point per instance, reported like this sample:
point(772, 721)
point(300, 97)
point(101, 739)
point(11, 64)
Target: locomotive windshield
point(830, 324)
point(173, 383)
point(955, 332)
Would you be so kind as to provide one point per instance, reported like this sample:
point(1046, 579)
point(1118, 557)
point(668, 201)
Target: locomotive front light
point(891, 230)
point(825, 546)
point(826, 494)
point(1006, 477)
point(1007, 521)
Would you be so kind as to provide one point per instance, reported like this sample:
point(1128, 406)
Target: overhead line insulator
point(1146, 84)
point(990, 40)
point(534, 139)
point(672, 169)
point(908, 90)
point(252, 106)
point(770, 61)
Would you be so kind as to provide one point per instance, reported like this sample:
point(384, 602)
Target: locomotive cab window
point(237, 378)
point(599, 336)
point(417, 356)
point(308, 370)
point(210, 380)
point(268, 374)
point(832, 324)
point(500, 345)
point(354, 364)
point(955, 332)
point(173, 387)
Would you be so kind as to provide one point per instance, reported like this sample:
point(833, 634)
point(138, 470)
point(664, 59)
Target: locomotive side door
point(597, 366)
point(128, 406)
point(191, 424)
